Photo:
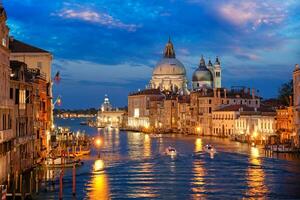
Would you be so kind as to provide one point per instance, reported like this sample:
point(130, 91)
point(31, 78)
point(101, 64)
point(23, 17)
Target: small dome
point(202, 73)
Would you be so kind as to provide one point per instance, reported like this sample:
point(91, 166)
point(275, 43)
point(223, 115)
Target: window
point(4, 43)
point(11, 93)
point(209, 110)
point(22, 99)
point(136, 112)
point(218, 74)
point(27, 96)
point(17, 95)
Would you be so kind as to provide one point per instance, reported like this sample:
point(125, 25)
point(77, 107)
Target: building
point(223, 120)
point(285, 124)
point(169, 106)
point(111, 117)
point(34, 58)
point(139, 108)
point(296, 84)
point(6, 105)
point(255, 125)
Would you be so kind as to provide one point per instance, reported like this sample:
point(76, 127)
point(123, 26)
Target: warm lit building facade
point(285, 124)
point(6, 107)
point(139, 107)
point(296, 83)
point(255, 125)
point(111, 117)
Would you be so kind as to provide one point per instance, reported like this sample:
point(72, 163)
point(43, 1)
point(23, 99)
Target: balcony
point(6, 135)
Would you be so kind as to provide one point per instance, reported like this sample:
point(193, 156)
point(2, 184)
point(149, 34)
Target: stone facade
point(296, 82)
point(6, 107)
point(285, 124)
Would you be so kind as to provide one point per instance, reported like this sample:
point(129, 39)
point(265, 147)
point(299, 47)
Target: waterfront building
point(111, 117)
point(223, 120)
point(296, 84)
point(139, 108)
point(34, 58)
point(6, 105)
point(22, 93)
point(285, 123)
point(255, 125)
point(205, 101)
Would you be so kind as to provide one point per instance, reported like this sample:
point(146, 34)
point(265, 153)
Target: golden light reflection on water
point(147, 146)
point(99, 185)
point(198, 181)
point(198, 145)
point(255, 176)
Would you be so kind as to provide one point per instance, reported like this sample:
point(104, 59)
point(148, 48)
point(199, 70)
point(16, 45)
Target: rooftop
point(17, 46)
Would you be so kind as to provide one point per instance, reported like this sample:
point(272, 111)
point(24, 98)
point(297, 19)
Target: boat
point(65, 162)
point(171, 151)
point(84, 123)
point(210, 149)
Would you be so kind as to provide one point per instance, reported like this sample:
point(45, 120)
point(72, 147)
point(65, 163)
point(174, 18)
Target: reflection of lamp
point(98, 144)
point(99, 165)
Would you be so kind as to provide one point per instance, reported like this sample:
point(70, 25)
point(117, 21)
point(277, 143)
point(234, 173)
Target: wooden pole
point(21, 183)
point(36, 183)
point(30, 184)
point(74, 179)
point(61, 185)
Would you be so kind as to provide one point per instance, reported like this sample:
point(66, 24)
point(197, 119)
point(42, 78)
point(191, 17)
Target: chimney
point(219, 94)
point(253, 93)
point(249, 91)
point(225, 93)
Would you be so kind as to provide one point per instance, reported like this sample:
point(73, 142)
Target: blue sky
point(110, 47)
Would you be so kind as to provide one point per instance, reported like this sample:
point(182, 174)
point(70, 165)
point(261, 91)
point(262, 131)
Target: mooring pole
point(74, 180)
point(61, 185)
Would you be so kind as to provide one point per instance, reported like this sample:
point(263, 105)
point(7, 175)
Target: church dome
point(202, 73)
point(202, 77)
point(169, 65)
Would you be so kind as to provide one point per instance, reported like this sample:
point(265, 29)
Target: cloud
point(253, 13)
point(91, 16)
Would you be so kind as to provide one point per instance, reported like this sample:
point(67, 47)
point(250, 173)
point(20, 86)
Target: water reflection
point(198, 145)
point(198, 181)
point(147, 146)
point(255, 176)
point(98, 187)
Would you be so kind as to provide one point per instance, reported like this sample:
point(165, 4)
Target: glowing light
point(254, 134)
point(98, 142)
point(99, 165)
point(198, 129)
point(198, 145)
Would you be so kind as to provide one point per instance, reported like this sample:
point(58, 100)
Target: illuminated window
point(136, 112)
point(4, 42)
point(22, 99)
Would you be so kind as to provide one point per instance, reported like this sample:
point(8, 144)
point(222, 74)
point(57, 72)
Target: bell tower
point(217, 74)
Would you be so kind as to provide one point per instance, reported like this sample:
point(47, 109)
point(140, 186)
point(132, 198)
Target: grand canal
point(136, 168)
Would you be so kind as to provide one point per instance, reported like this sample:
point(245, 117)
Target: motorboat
point(171, 151)
point(210, 149)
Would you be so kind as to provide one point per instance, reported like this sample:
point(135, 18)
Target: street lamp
point(198, 129)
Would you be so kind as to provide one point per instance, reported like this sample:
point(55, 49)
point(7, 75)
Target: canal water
point(137, 168)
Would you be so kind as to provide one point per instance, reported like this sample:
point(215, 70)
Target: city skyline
point(118, 44)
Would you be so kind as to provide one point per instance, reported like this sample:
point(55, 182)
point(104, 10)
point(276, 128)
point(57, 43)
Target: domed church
point(169, 73)
point(207, 76)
